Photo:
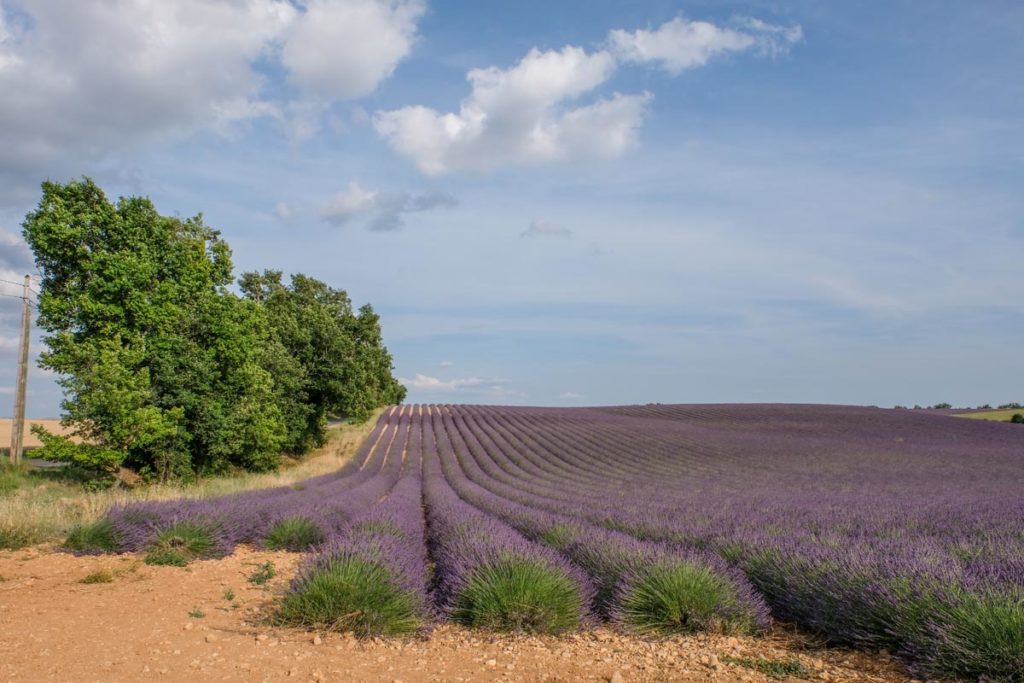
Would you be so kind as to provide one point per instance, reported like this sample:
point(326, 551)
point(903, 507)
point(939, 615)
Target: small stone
point(492, 662)
point(294, 671)
point(317, 640)
point(211, 638)
point(262, 637)
point(617, 678)
point(188, 627)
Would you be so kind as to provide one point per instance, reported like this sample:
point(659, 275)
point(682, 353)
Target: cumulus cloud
point(678, 44)
point(528, 113)
point(381, 211)
point(520, 115)
point(542, 228)
point(96, 78)
point(427, 383)
point(569, 395)
point(341, 50)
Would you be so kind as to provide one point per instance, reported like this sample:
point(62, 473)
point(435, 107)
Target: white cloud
point(526, 114)
point(352, 201)
point(520, 115)
point(569, 395)
point(446, 364)
point(283, 211)
point(541, 228)
point(383, 211)
point(95, 76)
point(342, 49)
point(94, 79)
point(678, 44)
point(422, 382)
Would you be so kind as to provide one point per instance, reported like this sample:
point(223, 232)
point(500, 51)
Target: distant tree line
point(166, 370)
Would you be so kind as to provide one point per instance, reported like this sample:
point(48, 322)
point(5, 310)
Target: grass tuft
point(98, 576)
point(264, 573)
point(97, 537)
point(14, 537)
point(295, 534)
point(352, 594)
point(522, 595)
point(196, 613)
point(773, 668)
point(179, 544)
point(682, 598)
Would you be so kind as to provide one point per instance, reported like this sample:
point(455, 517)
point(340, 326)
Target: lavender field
point(879, 529)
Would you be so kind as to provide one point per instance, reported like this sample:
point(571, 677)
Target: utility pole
point(18, 428)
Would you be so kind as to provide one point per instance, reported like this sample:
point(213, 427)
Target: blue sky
point(570, 203)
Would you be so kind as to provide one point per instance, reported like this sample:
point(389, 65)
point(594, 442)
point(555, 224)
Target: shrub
point(682, 597)
point(351, 594)
point(180, 544)
point(295, 534)
point(519, 594)
point(87, 539)
point(1018, 418)
point(977, 635)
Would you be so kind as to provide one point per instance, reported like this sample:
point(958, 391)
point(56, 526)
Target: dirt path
point(145, 624)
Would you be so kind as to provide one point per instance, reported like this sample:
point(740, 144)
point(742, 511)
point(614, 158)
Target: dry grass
point(29, 440)
point(997, 415)
point(39, 508)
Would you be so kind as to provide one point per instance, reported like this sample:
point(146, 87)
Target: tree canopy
point(164, 368)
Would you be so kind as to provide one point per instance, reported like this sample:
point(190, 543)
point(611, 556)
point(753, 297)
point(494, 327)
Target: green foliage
point(1018, 418)
point(196, 613)
point(90, 457)
point(352, 594)
point(167, 371)
point(180, 544)
point(295, 534)
point(229, 595)
point(683, 598)
point(773, 668)
point(98, 537)
point(263, 574)
point(519, 595)
point(325, 358)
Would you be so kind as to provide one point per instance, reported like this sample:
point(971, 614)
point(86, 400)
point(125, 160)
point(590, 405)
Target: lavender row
point(936, 576)
point(487, 574)
point(294, 518)
point(372, 578)
point(642, 586)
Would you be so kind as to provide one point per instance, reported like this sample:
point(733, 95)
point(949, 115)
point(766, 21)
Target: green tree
point(159, 362)
point(339, 365)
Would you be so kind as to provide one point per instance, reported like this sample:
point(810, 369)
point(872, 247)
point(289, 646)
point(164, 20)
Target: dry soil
point(207, 622)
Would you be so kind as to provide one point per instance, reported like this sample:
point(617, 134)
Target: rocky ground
point(207, 622)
